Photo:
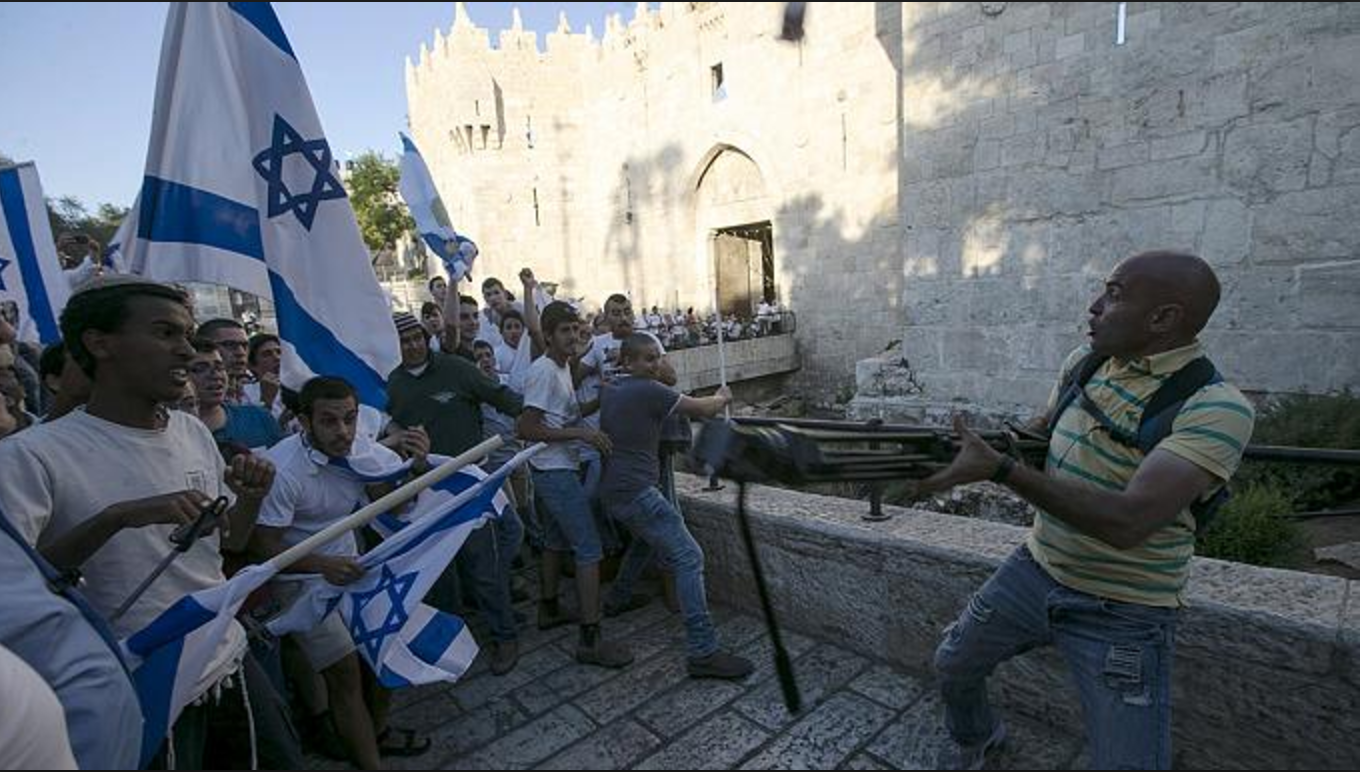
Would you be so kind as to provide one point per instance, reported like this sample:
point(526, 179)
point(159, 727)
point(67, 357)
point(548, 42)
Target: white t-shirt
point(58, 475)
point(513, 363)
point(491, 334)
point(548, 388)
point(308, 494)
point(603, 357)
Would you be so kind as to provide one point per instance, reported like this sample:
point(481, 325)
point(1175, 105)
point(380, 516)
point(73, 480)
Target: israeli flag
point(404, 641)
point(241, 189)
point(31, 277)
point(432, 219)
point(168, 657)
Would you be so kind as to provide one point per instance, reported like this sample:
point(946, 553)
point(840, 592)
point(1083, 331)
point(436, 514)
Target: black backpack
point(1159, 415)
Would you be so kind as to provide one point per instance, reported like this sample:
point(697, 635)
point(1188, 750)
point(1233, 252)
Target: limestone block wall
point(1267, 670)
point(618, 161)
point(1037, 152)
point(956, 176)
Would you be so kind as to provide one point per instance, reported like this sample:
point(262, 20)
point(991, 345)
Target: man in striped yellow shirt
point(1103, 573)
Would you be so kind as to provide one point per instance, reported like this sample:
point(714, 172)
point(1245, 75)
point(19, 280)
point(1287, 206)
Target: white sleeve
point(538, 389)
point(26, 497)
point(520, 364)
point(279, 506)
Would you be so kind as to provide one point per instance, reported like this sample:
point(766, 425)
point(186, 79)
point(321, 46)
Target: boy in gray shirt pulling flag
point(631, 414)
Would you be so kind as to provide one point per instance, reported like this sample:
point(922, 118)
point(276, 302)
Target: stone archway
point(734, 225)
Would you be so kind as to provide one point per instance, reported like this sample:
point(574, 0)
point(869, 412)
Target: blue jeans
point(592, 470)
point(509, 535)
point(658, 528)
point(567, 519)
point(477, 567)
point(1119, 654)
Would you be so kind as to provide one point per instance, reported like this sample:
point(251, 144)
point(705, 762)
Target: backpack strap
point(1157, 420)
point(1160, 413)
point(1073, 384)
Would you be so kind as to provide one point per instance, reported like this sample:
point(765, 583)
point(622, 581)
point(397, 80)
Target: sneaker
point(973, 756)
point(719, 664)
point(635, 601)
point(604, 654)
point(504, 657)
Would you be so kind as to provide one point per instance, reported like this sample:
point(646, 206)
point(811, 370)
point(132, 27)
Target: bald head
point(1177, 278)
point(1153, 301)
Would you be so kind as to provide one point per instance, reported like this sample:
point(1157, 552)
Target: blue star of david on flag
point(3, 265)
point(395, 589)
point(270, 163)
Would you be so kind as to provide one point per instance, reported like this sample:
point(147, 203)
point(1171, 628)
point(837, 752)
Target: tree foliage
point(68, 215)
point(372, 186)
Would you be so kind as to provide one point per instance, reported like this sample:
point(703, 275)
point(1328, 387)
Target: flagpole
point(398, 496)
point(722, 353)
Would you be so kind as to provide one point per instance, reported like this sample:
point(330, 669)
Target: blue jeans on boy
point(659, 529)
point(567, 520)
point(1119, 654)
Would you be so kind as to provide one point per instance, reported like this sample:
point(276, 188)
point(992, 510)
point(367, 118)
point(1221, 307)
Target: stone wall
point(1037, 153)
point(1267, 671)
point(956, 176)
point(610, 162)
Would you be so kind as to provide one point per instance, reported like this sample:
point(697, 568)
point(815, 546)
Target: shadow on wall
point(643, 202)
point(846, 291)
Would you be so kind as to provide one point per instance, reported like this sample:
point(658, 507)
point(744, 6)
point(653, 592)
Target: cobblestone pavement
point(551, 713)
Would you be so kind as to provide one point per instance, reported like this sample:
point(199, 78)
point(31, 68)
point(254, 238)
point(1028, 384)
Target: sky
point(77, 79)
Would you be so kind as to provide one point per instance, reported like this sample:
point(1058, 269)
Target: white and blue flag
point(432, 219)
point(30, 273)
point(403, 640)
point(241, 188)
point(169, 656)
point(367, 465)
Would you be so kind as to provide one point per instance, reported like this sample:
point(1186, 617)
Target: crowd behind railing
point(685, 329)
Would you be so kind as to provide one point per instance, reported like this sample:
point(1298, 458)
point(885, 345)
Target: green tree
point(372, 186)
point(68, 215)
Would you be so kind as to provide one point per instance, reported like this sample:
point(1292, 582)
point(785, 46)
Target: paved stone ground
point(551, 713)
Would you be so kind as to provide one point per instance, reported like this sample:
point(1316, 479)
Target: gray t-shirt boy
point(631, 413)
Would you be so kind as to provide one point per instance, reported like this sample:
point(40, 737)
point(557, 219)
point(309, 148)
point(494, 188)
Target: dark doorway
point(744, 255)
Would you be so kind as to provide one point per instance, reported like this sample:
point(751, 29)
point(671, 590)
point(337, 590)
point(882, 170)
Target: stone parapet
point(1267, 671)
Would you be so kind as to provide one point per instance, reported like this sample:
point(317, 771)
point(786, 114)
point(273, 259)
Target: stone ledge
point(699, 367)
point(1266, 666)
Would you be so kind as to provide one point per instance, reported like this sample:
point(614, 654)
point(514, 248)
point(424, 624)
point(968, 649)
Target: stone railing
point(747, 358)
point(1267, 671)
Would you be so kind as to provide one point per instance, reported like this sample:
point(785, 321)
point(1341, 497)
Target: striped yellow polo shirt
point(1211, 431)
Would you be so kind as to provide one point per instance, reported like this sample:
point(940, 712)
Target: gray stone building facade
point(958, 177)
